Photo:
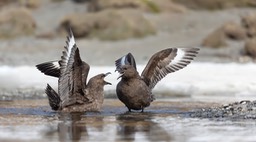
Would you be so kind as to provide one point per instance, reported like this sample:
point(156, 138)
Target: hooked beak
point(107, 83)
point(106, 74)
point(118, 70)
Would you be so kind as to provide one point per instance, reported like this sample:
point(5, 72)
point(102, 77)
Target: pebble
point(238, 110)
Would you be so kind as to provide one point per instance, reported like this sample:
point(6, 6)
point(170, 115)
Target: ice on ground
point(196, 79)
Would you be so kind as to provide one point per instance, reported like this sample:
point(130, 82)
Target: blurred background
point(34, 31)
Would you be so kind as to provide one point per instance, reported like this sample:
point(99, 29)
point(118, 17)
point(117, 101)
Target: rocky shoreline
point(242, 110)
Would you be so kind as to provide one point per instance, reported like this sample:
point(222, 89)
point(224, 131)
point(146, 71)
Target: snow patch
point(195, 79)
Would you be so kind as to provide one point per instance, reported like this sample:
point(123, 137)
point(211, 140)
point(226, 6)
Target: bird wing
point(56, 68)
point(66, 80)
point(125, 60)
point(167, 61)
point(51, 68)
point(66, 57)
point(53, 97)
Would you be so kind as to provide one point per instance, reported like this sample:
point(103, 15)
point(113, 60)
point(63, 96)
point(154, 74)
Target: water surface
point(165, 120)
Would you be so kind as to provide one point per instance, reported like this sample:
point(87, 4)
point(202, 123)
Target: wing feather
point(125, 60)
point(51, 68)
point(165, 62)
point(66, 54)
point(66, 80)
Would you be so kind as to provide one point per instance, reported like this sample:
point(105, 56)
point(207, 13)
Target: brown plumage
point(135, 91)
point(74, 94)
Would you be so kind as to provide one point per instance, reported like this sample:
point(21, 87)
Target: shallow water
point(164, 120)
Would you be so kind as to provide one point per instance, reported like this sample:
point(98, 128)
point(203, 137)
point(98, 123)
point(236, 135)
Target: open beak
point(106, 74)
point(121, 74)
point(107, 83)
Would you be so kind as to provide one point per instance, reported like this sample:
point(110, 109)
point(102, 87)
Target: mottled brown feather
point(74, 95)
point(162, 63)
point(156, 59)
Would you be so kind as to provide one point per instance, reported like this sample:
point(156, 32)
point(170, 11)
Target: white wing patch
point(125, 60)
point(51, 68)
point(183, 57)
point(66, 54)
point(122, 61)
point(56, 65)
point(66, 81)
point(70, 44)
point(179, 56)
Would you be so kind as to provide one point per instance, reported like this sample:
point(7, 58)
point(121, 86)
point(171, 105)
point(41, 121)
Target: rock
point(98, 5)
point(216, 39)
point(234, 31)
point(216, 4)
point(144, 5)
point(169, 6)
point(229, 30)
point(16, 22)
point(250, 47)
point(21, 3)
point(108, 24)
point(81, 24)
point(81, 1)
point(6, 2)
point(237, 110)
point(30, 3)
point(249, 23)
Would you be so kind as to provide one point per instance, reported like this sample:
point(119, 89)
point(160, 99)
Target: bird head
point(127, 71)
point(99, 79)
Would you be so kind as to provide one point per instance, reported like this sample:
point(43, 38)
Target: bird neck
point(95, 91)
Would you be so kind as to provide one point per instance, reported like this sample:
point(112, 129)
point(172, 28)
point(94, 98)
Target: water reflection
point(69, 128)
point(98, 127)
point(76, 126)
point(157, 124)
point(134, 126)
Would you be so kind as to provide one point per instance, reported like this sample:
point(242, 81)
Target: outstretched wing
point(66, 81)
point(125, 60)
point(66, 57)
point(56, 68)
point(51, 68)
point(165, 62)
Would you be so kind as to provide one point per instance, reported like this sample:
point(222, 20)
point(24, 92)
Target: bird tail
point(53, 97)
